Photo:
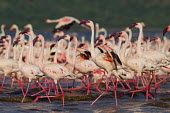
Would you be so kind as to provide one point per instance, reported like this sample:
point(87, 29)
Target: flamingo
point(64, 23)
point(8, 66)
point(108, 61)
point(155, 56)
point(56, 72)
point(81, 64)
point(30, 71)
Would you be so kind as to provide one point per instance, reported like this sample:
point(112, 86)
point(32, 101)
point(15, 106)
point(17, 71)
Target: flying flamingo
point(64, 23)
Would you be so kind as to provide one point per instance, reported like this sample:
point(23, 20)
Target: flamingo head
point(2, 50)
point(3, 25)
point(121, 34)
point(13, 27)
point(167, 29)
point(147, 39)
point(155, 39)
point(137, 25)
point(36, 39)
point(4, 37)
point(72, 38)
point(98, 43)
point(62, 37)
point(16, 42)
point(52, 45)
point(85, 22)
point(27, 26)
point(25, 32)
point(100, 37)
point(46, 20)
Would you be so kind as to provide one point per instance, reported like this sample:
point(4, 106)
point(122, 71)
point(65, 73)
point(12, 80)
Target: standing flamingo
point(8, 66)
point(108, 61)
point(30, 71)
point(54, 71)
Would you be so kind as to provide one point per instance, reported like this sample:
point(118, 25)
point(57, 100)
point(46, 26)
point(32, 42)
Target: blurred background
point(110, 14)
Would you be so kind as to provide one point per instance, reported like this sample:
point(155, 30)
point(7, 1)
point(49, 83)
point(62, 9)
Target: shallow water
point(105, 104)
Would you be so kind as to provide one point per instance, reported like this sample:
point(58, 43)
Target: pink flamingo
point(30, 71)
point(56, 72)
point(108, 61)
point(64, 23)
point(8, 66)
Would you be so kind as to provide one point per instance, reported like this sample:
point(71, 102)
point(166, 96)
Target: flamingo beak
point(25, 31)
point(61, 37)
point(3, 37)
point(52, 46)
point(84, 22)
point(132, 25)
point(71, 39)
point(11, 29)
point(165, 30)
point(15, 43)
point(35, 40)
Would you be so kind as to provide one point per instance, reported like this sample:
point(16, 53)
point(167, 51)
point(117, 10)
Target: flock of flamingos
point(113, 59)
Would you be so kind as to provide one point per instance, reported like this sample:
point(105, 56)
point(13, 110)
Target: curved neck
point(164, 45)
point(130, 34)
point(21, 55)
point(41, 56)
point(139, 52)
point(31, 58)
point(56, 55)
point(8, 48)
point(92, 42)
point(17, 32)
point(123, 50)
point(119, 45)
point(97, 29)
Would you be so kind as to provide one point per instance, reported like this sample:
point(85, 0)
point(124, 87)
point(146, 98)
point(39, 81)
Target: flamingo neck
point(41, 57)
point(123, 50)
point(68, 58)
point(31, 58)
point(56, 55)
point(92, 42)
point(21, 55)
point(139, 52)
point(74, 52)
point(130, 34)
point(97, 29)
point(8, 48)
point(17, 32)
point(164, 45)
point(119, 46)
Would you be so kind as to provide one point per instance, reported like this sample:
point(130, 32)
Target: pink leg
point(62, 94)
point(3, 81)
point(25, 93)
point(107, 88)
point(115, 94)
